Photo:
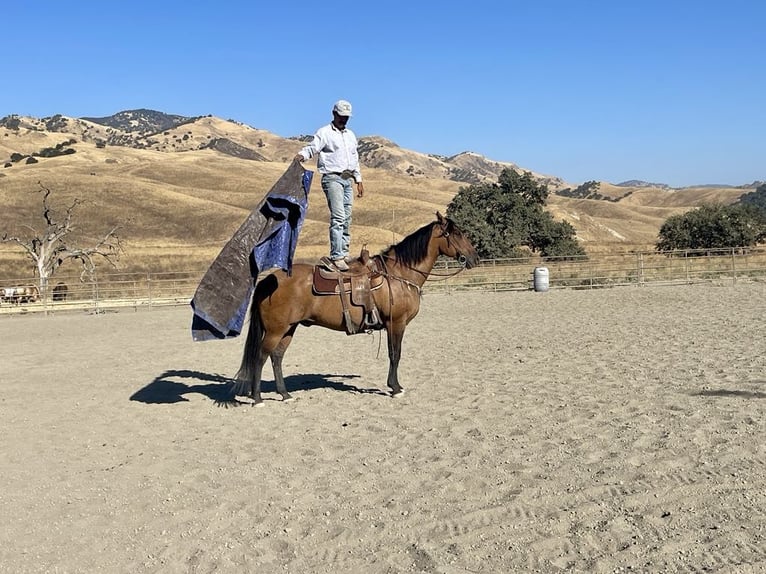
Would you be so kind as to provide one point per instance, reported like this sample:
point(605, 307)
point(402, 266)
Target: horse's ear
point(440, 218)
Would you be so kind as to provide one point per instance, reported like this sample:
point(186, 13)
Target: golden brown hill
point(181, 200)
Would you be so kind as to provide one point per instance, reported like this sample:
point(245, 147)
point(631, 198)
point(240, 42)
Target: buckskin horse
point(281, 302)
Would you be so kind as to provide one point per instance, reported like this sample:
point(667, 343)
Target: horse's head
point(454, 243)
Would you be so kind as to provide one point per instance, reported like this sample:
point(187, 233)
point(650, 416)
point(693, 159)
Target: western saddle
point(354, 287)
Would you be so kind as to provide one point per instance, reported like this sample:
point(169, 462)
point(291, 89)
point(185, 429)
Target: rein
point(443, 276)
point(388, 275)
point(430, 274)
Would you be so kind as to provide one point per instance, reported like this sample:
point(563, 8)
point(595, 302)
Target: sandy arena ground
point(611, 430)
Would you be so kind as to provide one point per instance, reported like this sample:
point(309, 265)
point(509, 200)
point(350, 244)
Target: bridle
point(382, 268)
point(461, 259)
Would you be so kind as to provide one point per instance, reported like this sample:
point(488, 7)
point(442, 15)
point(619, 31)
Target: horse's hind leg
point(255, 382)
point(276, 363)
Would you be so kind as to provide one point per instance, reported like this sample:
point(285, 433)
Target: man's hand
point(360, 189)
point(299, 158)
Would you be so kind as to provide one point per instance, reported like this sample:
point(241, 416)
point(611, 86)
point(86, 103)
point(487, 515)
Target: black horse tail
point(246, 373)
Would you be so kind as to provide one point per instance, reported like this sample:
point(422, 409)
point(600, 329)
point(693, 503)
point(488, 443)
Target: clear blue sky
point(664, 91)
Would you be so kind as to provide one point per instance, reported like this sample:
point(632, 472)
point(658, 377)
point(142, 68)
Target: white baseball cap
point(342, 108)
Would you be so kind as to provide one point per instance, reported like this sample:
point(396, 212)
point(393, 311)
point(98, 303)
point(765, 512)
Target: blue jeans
point(340, 199)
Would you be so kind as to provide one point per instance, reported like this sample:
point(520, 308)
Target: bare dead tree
point(52, 247)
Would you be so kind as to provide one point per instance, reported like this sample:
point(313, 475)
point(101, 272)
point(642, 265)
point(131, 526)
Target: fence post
point(44, 296)
point(733, 265)
point(96, 294)
point(149, 288)
point(686, 266)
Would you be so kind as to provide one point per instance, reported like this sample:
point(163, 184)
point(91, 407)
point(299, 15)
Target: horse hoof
point(288, 399)
point(259, 404)
point(395, 394)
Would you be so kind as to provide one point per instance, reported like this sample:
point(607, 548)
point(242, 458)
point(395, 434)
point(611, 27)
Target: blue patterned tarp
point(266, 239)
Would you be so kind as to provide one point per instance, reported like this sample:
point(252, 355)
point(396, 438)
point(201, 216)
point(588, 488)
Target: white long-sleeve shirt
point(337, 151)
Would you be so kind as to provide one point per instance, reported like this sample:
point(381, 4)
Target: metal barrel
point(540, 279)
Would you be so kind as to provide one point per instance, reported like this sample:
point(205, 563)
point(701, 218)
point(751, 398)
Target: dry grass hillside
point(182, 191)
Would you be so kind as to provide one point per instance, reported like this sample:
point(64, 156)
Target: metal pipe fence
point(104, 291)
point(605, 270)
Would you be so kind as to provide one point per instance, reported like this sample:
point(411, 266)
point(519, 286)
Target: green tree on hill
point(504, 217)
point(713, 226)
point(756, 198)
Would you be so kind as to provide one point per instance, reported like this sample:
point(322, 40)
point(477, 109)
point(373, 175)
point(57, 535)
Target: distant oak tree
point(713, 226)
point(51, 246)
point(756, 198)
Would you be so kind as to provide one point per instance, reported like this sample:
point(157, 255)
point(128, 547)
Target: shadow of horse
point(167, 389)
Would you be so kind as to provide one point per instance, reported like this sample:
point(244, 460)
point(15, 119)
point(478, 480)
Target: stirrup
point(373, 318)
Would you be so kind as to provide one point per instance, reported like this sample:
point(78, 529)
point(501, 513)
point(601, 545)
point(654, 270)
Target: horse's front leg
point(395, 334)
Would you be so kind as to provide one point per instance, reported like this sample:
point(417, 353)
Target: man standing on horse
point(339, 165)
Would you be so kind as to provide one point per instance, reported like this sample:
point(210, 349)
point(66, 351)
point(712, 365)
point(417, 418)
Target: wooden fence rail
point(104, 291)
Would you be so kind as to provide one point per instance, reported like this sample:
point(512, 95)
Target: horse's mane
point(413, 249)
